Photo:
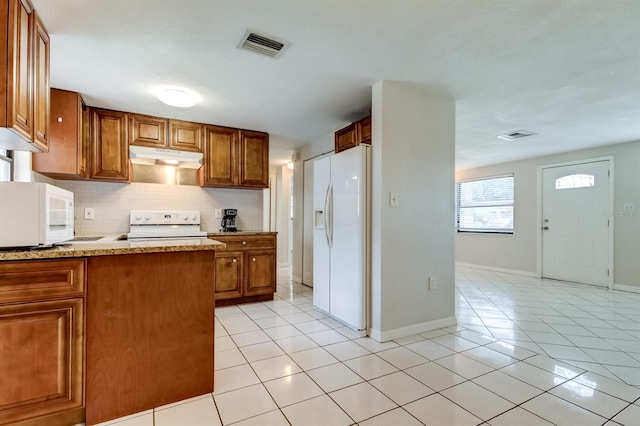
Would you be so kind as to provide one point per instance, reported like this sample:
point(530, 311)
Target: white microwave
point(34, 214)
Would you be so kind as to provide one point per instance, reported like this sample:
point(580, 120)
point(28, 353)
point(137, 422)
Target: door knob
point(254, 259)
point(235, 260)
point(546, 228)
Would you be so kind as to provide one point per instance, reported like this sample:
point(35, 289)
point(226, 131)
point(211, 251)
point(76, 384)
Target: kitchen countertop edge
point(113, 248)
point(230, 234)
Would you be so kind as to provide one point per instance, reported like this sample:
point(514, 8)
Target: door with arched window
point(575, 222)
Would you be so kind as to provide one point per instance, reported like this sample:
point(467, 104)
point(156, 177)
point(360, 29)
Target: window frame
point(8, 158)
point(459, 205)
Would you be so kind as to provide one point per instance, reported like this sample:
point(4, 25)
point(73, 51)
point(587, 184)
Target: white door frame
point(609, 208)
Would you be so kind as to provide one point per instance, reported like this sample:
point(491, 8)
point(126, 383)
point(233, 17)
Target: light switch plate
point(393, 199)
point(89, 213)
point(218, 214)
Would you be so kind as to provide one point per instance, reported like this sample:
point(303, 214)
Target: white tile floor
point(519, 356)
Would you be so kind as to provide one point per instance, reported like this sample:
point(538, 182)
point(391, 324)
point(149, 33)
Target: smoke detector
point(516, 135)
point(263, 44)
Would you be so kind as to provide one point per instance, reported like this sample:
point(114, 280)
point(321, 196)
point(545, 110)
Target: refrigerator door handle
point(330, 215)
point(325, 217)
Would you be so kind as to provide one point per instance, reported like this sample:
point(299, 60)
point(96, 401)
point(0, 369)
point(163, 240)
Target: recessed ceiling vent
point(516, 135)
point(263, 44)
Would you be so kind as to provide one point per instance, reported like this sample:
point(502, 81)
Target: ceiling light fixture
point(178, 98)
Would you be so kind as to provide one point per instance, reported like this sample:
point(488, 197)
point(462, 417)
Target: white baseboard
point(384, 336)
point(296, 279)
point(629, 288)
point(492, 268)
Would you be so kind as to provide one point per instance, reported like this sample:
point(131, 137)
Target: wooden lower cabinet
point(246, 271)
point(42, 342)
point(149, 331)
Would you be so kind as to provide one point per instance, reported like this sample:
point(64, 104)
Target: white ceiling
point(568, 70)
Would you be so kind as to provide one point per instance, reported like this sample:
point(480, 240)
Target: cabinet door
point(261, 272)
point(109, 135)
point(68, 138)
point(220, 156)
point(228, 275)
point(41, 362)
point(41, 86)
point(345, 138)
point(148, 131)
point(185, 136)
point(363, 131)
point(20, 68)
point(254, 159)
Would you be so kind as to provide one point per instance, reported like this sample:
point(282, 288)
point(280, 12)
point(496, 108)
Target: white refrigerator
point(341, 236)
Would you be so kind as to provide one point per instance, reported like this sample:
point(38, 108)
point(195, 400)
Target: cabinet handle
point(235, 260)
point(254, 259)
point(244, 243)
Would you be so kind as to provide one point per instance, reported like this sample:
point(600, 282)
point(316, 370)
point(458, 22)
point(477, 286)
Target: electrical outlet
point(432, 283)
point(218, 213)
point(89, 214)
point(629, 207)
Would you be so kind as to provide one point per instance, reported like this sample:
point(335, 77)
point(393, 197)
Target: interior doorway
point(576, 231)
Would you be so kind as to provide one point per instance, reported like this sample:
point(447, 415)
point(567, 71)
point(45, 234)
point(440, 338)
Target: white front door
point(575, 226)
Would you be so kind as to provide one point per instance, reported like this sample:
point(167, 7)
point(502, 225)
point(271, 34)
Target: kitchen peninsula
point(105, 330)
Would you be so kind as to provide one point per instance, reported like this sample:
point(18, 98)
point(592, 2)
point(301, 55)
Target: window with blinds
point(485, 205)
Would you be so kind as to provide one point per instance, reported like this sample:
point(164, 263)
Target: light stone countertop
point(87, 249)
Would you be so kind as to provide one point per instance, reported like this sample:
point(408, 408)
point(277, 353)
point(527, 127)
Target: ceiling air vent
point(516, 135)
point(265, 45)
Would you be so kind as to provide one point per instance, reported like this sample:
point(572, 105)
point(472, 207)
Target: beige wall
point(519, 251)
point(413, 155)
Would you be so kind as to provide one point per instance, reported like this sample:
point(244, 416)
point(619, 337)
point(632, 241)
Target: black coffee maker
point(228, 223)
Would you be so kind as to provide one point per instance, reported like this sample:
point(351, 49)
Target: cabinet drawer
point(236, 242)
point(32, 280)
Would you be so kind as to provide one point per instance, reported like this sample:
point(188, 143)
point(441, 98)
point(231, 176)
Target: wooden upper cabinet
point(363, 131)
point(42, 87)
point(68, 138)
point(254, 159)
point(108, 145)
point(185, 135)
point(24, 78)
point(345, 138)
point(148, 131)
point(220, 156)
point(353, 135)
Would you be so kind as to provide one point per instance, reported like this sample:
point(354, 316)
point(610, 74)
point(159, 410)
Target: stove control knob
point(194, 216)
point(138, 216)
point(147, 216)
point(185, 217)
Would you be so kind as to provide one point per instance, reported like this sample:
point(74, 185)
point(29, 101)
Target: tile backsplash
point(113, 201)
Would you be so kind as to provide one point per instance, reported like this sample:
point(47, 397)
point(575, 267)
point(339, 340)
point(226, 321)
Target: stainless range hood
point(165, 166)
